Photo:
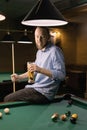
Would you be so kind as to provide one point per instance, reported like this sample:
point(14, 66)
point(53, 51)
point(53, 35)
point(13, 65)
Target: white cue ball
point(0, 115)
point(6, 110)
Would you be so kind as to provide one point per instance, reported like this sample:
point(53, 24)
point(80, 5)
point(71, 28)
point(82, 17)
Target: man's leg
point(27, 94)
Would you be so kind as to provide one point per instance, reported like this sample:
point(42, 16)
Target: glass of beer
point(30, 74)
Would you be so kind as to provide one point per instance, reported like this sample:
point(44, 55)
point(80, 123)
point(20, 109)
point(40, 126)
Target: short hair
point(46, 29)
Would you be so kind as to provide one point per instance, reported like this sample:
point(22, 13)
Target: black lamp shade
point(8, 38)
point(44, 13)
point(25, 39)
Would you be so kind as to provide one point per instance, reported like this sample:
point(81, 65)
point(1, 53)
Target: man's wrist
point(19, 77)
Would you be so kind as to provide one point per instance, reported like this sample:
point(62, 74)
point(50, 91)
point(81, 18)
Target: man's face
point(41, 38)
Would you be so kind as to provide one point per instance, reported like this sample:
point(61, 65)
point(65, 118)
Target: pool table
point(25, 116)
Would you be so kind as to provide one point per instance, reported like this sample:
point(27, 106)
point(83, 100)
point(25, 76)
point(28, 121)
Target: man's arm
point(45, 72)
point(35, 68)
point(16, 77)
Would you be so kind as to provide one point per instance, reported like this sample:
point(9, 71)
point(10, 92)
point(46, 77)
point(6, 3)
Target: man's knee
point(6, 99)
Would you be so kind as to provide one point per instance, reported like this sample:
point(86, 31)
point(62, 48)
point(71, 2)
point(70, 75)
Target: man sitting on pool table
point(48, 68)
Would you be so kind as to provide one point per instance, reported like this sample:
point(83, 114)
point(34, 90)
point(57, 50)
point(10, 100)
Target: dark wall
point(23, 53)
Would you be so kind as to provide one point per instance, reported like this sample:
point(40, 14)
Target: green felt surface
point(5, 76)
point(25, 116)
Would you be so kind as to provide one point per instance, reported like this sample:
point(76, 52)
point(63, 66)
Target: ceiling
point(15, 10)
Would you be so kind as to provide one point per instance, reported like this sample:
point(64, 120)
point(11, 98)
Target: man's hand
point(33, 68)
point(14, 77)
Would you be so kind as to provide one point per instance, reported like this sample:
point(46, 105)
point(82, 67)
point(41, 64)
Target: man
point(48, 68)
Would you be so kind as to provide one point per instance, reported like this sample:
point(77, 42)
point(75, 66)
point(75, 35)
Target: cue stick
point(13, 65)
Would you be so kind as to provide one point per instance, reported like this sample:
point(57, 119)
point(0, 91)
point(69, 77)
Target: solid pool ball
point(73, 120)
point(74, 116)
point(6, 110)
point(55, 116)
point(0, 115)
point(68, 113)
point(63, 117)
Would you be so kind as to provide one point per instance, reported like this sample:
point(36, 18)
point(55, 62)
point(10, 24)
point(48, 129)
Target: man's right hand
point(14, 77)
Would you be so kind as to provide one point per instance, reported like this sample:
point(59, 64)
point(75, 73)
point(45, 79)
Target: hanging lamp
point(44, 13)
point(25, 39)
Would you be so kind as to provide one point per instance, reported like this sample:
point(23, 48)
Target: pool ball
point(7, 110)
point(74, 116)
point(63, 117)
point(68, 113)
point(73, 120)
point(55, 116)
point(0, 114)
